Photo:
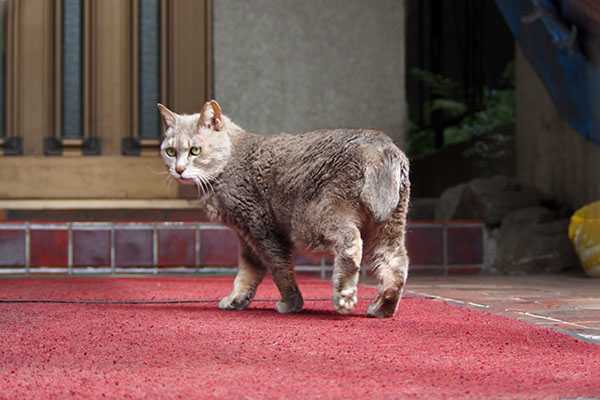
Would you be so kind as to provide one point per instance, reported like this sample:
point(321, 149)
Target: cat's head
point(195, 148)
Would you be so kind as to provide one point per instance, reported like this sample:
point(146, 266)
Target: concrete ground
point(566, 302)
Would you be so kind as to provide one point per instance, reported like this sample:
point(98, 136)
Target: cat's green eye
point(170, 152)
point(195, 150)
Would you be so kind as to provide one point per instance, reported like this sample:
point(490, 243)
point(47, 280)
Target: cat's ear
point(210, 116)
point(168, 116)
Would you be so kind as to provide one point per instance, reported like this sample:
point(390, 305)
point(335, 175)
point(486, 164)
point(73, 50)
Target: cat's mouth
point(185, 181)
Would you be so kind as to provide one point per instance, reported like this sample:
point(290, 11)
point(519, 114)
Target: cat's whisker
point(157, 172)
point(165, 180)
point(206, 183)
point(198, 188)
point(208, 178)
point(214, 178)
point(199, 184)
point(208, 186)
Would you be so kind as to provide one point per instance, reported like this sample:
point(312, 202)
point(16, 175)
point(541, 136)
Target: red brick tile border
point(435, 248)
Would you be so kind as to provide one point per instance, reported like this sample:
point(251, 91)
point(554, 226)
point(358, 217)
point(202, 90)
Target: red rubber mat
point(429, 350)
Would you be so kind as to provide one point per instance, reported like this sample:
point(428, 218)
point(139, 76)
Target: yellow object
point(584, 232)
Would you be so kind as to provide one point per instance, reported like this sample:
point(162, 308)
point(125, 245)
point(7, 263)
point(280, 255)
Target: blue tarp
point(570, 77)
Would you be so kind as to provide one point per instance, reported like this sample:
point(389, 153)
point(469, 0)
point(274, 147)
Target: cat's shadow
point(306, 313)
point(251, 312)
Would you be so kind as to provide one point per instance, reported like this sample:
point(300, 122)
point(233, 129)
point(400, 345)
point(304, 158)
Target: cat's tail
point(385, 181)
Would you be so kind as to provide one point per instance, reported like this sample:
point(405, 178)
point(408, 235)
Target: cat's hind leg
point(333, 225)
point(385, 253)
point(251, 272)
point(338, 231)
point(391, 266)
point(346, 268)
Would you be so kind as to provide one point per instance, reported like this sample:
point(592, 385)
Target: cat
point(339, 190)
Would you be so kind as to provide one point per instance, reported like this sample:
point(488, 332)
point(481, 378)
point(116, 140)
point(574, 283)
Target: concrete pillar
point(293, 66)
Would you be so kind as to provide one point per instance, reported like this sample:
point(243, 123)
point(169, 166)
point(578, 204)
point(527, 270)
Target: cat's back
point(329, 146)
point(304, 165)
point(330, 140)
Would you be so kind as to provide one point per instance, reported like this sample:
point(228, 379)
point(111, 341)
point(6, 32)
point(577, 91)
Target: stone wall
point(294, 66)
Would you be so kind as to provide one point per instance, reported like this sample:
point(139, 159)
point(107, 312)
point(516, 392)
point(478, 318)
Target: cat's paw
point(345, 300)
point(385, 304)
point(234, 303)
point(288, 306)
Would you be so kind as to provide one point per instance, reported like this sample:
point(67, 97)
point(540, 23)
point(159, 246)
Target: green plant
point(498, 109)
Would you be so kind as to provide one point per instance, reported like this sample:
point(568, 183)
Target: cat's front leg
point(251, 272)
point(291, 298)
point(277, 255)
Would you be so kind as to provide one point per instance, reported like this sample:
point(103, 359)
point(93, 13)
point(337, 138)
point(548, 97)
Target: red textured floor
point(429, 350)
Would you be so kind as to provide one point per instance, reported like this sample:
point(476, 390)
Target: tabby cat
point(339, 190)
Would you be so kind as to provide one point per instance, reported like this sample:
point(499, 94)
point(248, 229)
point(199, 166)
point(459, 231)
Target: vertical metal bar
point(112, 248)
point(71, 69)
point(27, 247)
point(9, 56)
point(2, 69)
point(92, 66)
point(135, 68)
point(70, 249)
point(445, 246)
point(12, 67)
point(16, 67)
point(87, 65)
point(197, 247)
point(58, 26)
point(149, 68)
point(155, 247)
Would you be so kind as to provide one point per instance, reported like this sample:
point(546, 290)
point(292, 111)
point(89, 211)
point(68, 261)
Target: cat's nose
point(179, 170)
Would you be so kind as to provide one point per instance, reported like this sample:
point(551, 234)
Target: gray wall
point(297, 65)
point(550, 154)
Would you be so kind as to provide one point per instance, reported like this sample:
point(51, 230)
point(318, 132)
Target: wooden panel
point(190, 29)
point(189, 59)
point(84, 177)
point(100, 204)
point(35, 79)
point(112, 73)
